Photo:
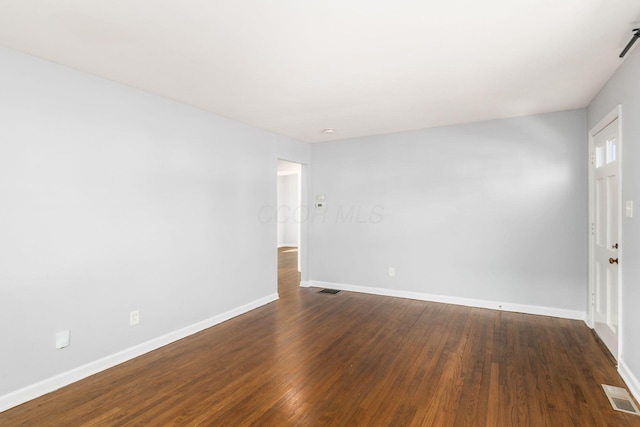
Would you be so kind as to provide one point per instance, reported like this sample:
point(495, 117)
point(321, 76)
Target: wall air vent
point(329, 291)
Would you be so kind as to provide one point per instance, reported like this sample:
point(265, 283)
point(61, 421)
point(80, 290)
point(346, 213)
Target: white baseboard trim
point(41, 388)
point(305, 284)
point(469, 302)
point(630, 379)
point(287, 245)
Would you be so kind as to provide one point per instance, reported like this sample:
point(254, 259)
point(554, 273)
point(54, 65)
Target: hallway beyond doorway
point(288, 274)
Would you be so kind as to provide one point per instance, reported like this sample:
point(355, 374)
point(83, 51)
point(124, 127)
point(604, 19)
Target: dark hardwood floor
point(312, 359)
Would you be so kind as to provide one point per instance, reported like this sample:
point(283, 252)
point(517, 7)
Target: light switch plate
point(629, 208)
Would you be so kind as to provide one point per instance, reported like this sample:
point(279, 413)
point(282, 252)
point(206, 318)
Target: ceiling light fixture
point(636, 36)
point(329, 131)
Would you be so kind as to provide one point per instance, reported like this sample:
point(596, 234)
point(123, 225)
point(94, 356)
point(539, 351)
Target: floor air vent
point(620, 399)
point(329, 291)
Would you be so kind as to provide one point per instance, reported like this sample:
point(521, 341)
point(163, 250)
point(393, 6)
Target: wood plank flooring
point(351, 359)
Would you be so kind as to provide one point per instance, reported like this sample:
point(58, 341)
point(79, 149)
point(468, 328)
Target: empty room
point(336, 213)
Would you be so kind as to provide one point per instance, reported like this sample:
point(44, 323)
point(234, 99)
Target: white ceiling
point(362, 67)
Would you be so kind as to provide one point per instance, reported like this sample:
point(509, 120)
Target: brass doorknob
point(613, 260)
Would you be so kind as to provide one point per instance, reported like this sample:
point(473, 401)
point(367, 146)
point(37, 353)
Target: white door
point(605, 235)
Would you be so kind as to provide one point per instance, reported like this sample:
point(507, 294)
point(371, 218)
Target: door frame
point(614, 114)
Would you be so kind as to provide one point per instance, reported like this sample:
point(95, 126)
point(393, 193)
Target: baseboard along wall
point(41, 388)
point(630, 379)
point(469, 302)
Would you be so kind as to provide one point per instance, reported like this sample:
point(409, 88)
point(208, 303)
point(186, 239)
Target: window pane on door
point(599, 156)
point(611, 150)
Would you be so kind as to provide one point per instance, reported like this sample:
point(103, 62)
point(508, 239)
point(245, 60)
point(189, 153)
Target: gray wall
point(492, 211)
point(113, 200)
point(624, 88)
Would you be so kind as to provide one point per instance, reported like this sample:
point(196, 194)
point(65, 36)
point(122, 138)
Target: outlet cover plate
point(134, 317)
point(63, 339)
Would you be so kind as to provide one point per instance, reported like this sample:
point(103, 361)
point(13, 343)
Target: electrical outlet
point(134, 317)
point(392, 272)
point(63, 339)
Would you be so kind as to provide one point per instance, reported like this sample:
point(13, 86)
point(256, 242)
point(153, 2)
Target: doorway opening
point(289, 230)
